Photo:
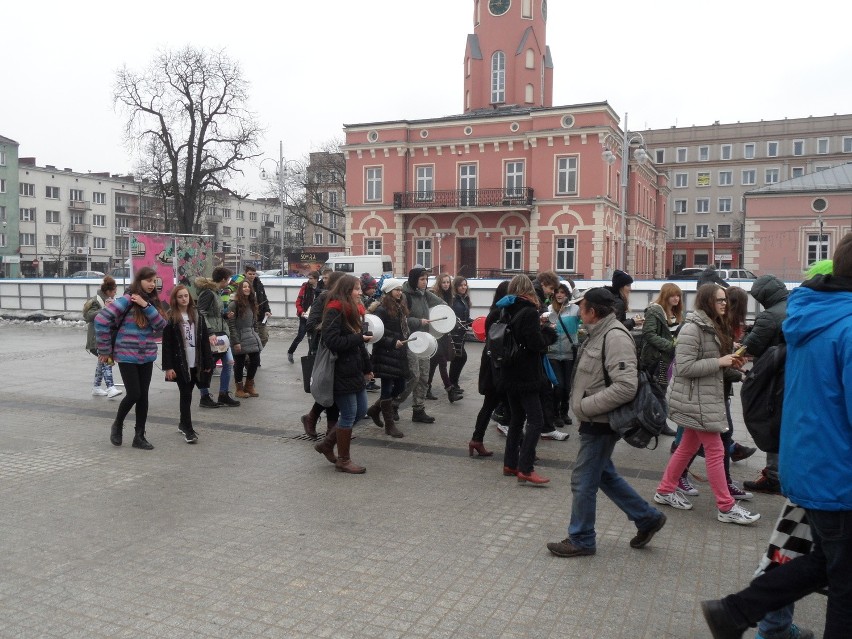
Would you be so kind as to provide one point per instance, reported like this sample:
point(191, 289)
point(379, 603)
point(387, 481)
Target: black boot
point(115, 432)
point(429, 394)
point(453, 394)
point(140, 442)
point(421, 416)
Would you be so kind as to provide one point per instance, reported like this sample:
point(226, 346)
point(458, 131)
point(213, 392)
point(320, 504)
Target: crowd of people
point(575, 360)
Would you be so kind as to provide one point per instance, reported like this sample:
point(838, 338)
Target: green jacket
point(658, 342)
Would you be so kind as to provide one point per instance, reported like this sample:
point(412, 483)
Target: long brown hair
point(438, 290)
point(666, 292)
point(144, 273)
point(735, 314)
point(174, 315)
point(705, 300)
point(342, 292)
point(522, 286)
point(394, 308)
point(245, 302)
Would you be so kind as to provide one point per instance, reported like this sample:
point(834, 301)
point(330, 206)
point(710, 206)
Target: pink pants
point(713, 458)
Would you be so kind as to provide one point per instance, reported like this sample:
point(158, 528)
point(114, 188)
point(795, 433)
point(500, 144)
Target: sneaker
point(644, 536)
point(556, 435)
point(737, 492)
point(795, 632)
point(112, 391)
point(97, 391)
point(189, 435)
point(504, 430)
point(764, 485)
point(685, 486)
point(737, 515)
point(565, 548)
point(208, 402)
point(225, 399)
point(290, 357)
point(741, 452)
point(675, 500)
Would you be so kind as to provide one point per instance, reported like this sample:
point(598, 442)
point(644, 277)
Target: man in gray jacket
point(592, 399)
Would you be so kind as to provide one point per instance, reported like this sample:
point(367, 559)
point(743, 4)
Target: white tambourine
point(422, 344)
point(442, 319)
point(377, 326)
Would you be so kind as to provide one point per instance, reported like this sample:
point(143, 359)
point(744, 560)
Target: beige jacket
point(697, 400)
point(591, 399)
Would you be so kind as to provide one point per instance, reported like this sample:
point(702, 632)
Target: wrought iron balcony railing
point(514, 197)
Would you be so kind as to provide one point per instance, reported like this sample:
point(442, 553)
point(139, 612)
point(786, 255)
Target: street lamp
point(713, 248)
point(281, 173)
point(612, 145)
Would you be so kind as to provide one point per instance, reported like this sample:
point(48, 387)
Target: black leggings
point(489, 402)
point(240, 363)
point(185, 389)
point(137, 380)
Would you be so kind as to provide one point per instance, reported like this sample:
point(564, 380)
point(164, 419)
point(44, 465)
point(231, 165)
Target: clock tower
point(507, 60)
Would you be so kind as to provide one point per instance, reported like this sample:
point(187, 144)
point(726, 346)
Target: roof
point(838, 178)
point(6, 140)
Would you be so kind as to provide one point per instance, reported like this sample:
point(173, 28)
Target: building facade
point(710, 169)
point(513, 184)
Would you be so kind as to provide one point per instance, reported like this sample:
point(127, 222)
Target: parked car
point(273, 273)
point(87, 274)
point(120, 273)
point(693, 272)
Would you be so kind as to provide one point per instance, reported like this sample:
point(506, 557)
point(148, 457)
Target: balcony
point(463, 199)
point(79, 205)
point(217, 219)
point(81, 228)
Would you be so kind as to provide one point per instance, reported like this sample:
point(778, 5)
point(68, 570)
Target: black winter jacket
point(174, 352)
point(771, 293)
point(486, 378)
point(388, 360)
point(353, 361)
point(527, 371)
point(621, 310)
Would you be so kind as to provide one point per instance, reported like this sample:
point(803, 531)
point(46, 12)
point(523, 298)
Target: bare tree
point(187, 116)
point(324, 174)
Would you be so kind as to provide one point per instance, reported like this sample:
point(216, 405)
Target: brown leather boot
point(241, 393)
point(387, 413)
point(326, 446)
point(375, 413)
point(250, 389)
point(344, 463)
point(309, 423)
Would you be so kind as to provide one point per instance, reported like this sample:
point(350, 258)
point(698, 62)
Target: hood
point(506, 301)
point(710, 276)
point(813, 307)
point(413, 290)
point(414, 276)
point(768, 290)
point(203, 282)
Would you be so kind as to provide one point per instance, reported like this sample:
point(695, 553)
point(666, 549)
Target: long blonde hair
point(522, 286)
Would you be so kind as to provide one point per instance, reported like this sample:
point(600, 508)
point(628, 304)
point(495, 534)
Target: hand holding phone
point(740, 352)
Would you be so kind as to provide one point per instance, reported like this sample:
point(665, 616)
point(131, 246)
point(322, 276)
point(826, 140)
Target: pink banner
point(175, 258)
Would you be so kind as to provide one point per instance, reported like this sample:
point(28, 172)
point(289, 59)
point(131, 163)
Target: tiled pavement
point(250, 533)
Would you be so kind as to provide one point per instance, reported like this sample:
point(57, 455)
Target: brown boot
point(344, 463)
point(387, 413)
point(250, 389)
point(309, 423)
point(241, 393)
point(326, 446)
point(375, 413)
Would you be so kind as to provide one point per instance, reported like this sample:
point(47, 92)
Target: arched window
point(467, 99)
point(498, 77)
point(528, 94)
point(530, 59)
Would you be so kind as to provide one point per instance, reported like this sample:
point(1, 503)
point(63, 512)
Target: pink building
point(511, 184)
point(794, 223)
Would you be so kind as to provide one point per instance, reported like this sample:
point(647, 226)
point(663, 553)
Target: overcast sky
point(317, 64)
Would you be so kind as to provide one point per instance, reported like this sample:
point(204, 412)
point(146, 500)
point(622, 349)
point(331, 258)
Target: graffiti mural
point(177, 259)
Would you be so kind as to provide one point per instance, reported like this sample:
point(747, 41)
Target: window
point(76, 195)
point(99, 220)
point(530, 59)
point(2, 158)
point(27, 239)
point(424, 183)
point(680, 231)
point(2, 213)
point(253, 234)
point(423, 252)
point(680, 206)
point(226, 231)
point(374, 247)
point(681, 180)
point(748, 150)
point(702, 230)
point(318, 239)
point(822, 146)
point(526, 9)
point(333, 239)
point(681, 154)
point(725, 204)
point(821, 167)
point(817, 248)
point(529, 94)
point(277, 219)
point(660, 156)
point(318, 197)
point(702, 205)
point(565, 253)
point(847, 145)
point(726, 178)
point(241, 215)
point(467, 184)
point(318, 217)
point(76, 218)
point(51, 192)
point(2, 239)
point(374, 184)
point(2, 186)
point(512, 254)
point(726, 152)
point(703, 153)
point(798, 147)
point(26, 190)
point(99, 242)
point(514, 179)
point(498, 77)
point(99, 198)
point(241, 232)
point(51, 217)
point(28, 215)
point(252, 216)
point(701, 259)
point(332, 199)
point(332, 220)
point(566, 175)
point(772, 149)
point(702, 179)
point(771, 176)
point(749, 177)
point(797, 171)
point(51, 241)
point(226, 214)
point(723, 231)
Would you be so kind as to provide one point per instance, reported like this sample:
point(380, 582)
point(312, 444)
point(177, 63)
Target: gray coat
point(698, 399)
point(243, 332)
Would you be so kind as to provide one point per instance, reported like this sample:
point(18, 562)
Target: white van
point(375, 265)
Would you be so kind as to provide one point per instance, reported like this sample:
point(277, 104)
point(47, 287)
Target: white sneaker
point(675, 500)
point(504, 430)
point(738, 515)
point(97, 391)
point(556, 435)
point(112, 391)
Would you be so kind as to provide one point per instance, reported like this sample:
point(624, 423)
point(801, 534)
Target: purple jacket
point(133, 345)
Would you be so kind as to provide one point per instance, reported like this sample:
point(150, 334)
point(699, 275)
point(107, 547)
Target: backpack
point(501, 346)
point(762, 395)
point(643, 418)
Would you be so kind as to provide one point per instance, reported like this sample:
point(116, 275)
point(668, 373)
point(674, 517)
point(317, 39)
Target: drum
point(478, 327)
point(377, 327)
point(422, 344)
point(442, 319)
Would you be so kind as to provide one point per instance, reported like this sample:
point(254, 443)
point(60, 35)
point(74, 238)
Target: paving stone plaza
point(251, 533)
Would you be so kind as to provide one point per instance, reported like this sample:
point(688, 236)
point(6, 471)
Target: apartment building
point(10, 260)
point(711, 168)
point(325, 195)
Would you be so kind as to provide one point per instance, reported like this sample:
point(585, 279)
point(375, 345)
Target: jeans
point(594, 470)
point(303, 328)
point(714, 459)
point(828, 564)
point(776, 623)
point(562, 390)
point(137, 380)
point(353, 406)
point(392, 387)
point(772, 466)
point(520, 444)
point(103, 372)
point(225, 377)
point(250, 362)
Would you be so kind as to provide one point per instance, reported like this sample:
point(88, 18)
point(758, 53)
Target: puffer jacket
point(174, 352)
point(568, 319)
point(526, 374)
point(770, 293)
point(698, 399)
point(388, 360)
point(591, 399)
point(353, 361)
point(243, 333)
point(209, 304)
point(485, 381)
point(134, 344)
point(658, 341)
point(90, 309)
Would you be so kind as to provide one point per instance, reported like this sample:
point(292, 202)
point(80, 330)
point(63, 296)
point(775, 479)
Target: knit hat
point(620, 279)
point(391, 284)
point(367, 282)
point(414, 276)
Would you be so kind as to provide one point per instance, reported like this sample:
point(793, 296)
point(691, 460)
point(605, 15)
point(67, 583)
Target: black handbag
point(307, 370)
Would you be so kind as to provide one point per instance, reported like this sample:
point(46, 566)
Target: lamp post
point(713, 248)
point(281, 173)
point(627, 139)
point(821, 236)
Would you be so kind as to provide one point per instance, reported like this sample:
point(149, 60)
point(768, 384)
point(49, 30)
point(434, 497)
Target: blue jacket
point(816, 427)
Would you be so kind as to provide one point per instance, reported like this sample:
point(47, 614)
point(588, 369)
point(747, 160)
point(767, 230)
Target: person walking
point(443, 290)
point(210, 306)
point(461, 307)
point(103, 371)
point(621, 285)
point(565, 318)
point(136, 319)
point(605, 378)
point(187, 358)
point(306, 296)
point(242, 320)
point(264, 312)
point(662, 320)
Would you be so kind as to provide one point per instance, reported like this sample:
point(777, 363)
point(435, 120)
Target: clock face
point(499, 7)
point(544, 9)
